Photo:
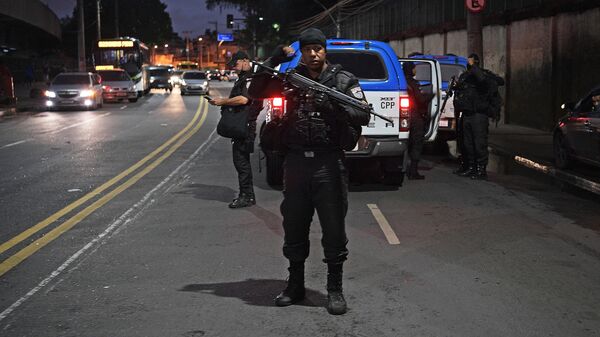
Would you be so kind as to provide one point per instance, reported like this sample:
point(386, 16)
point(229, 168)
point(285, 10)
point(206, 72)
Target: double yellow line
point(175, 142)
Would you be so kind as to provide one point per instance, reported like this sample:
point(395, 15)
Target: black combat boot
point(413, 171)
point(295, 291)
point(463, 166)
point(480, 173)
point(471, 169)
point(336, 303)
point(243, 200)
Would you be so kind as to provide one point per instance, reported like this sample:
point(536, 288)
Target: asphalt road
point(158, 253)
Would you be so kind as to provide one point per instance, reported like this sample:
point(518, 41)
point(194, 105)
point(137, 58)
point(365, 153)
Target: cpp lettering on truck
point(387, 103)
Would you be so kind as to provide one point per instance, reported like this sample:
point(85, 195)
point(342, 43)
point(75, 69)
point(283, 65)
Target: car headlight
point(132, 88)
point(151, 80)
point(182, 82)
point(205, 83)
point(50, 94)
point(86, 93)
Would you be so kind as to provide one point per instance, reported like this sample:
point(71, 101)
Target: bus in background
point(187, 65)
point(128, 54)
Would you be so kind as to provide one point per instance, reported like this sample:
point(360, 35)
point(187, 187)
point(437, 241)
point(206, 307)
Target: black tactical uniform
point(419, 117)
point(471, 101)
point(242, 148)
point(315, 178)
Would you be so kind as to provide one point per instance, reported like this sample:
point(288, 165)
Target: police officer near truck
point(315, 132)
point(472, 98)
point(419, 117)
point(242, 147)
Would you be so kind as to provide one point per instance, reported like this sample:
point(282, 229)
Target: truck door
point(429, 76)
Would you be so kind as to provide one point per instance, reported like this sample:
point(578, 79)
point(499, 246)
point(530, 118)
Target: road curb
point(547, 169)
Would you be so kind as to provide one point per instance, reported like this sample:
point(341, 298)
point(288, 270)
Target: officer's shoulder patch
point(357, 92)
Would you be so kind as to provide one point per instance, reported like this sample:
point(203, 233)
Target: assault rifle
point(292, 78)
point(449, 93)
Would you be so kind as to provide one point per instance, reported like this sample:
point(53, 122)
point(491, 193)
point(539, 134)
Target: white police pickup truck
point(380, 75)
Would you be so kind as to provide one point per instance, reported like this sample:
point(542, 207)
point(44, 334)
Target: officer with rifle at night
point(325, 111)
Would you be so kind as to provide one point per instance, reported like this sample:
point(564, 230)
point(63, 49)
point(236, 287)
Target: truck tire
point(274, 169)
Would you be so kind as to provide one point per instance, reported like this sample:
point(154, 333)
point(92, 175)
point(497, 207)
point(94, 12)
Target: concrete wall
point(32, 12)
point(546, 61)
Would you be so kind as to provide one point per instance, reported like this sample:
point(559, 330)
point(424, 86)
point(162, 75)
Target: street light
point(166, 45)
point(260, 18)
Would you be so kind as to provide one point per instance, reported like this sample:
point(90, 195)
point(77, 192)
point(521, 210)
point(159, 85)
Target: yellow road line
point(69, 208)
point(384, 224)
point(26, 252)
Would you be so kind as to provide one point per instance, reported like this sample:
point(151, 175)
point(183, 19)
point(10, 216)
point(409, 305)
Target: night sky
point(186, 15)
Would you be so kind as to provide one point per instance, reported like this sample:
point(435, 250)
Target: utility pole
point(474, 27)
point(81, 39)
point(216, 23)
point(98, 19)
point(117, 18)
point(186, 34)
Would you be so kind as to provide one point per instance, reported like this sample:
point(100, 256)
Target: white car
point(82, 90)
point(194, 82)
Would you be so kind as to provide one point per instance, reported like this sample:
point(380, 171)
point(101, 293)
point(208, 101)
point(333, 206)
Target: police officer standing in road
point(316, 132)
point(419, 116)
point(471, 100)
point(242, 148)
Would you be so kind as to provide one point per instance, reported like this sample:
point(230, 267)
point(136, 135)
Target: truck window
point(366, 66)
point(449, 70)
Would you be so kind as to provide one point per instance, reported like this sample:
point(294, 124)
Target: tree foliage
point(145, 20)
point(281, 12)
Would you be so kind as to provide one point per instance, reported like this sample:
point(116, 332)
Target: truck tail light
point(277, 102)
point(277, 108)
point(404, 124)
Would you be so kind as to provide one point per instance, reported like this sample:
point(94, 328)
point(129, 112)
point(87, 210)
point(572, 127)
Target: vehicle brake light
point(277, 102)
point(404, 124)
point(404, 103)
point(340, 43)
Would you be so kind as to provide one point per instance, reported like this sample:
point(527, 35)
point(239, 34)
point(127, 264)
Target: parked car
point(160, 78)
point(380, 75)
point(194, 82)
point(74, 90)
point(117, 86)
point(577, 134)
point(450, 65)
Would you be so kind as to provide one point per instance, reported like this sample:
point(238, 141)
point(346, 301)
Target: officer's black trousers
point(416, 137)
point(475, 135)
point(241, 150)
point(319, 183)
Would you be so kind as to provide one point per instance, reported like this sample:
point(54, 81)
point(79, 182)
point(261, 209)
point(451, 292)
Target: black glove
point(278, 56)
point(322, 101)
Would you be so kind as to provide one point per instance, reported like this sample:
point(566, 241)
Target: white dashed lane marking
point(384, 224)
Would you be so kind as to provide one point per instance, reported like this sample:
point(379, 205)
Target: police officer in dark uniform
point(316, 133)
point(419, 117)
point(471, 101)
point(242, 148)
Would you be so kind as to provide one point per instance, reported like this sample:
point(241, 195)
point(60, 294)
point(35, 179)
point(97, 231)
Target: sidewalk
point(24, 101)
point(532, 148)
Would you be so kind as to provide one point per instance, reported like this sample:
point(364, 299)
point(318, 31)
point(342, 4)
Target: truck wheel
point(274, 169)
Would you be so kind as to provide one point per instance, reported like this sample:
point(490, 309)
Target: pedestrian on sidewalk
point(242, 147)
point(29, 75)
point(419, 118)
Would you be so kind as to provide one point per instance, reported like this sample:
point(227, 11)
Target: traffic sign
point(475, 6)
point(225, 37)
